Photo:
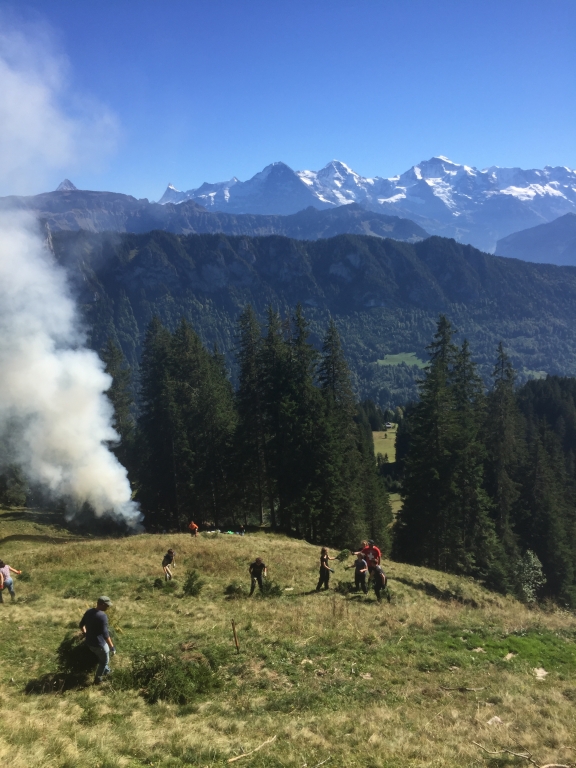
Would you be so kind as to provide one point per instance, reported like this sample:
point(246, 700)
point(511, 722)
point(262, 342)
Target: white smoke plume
point(46, 127)
point(51, 386)
point(55, 418)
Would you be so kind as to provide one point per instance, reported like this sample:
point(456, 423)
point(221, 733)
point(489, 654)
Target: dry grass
point(341, 678)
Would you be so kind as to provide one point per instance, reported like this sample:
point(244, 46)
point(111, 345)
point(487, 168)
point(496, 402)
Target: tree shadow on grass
point(446, 595)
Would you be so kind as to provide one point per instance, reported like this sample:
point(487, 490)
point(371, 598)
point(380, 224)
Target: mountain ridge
point(73, 209)
point(445, 198)
point(384, 295)
point(550, 243)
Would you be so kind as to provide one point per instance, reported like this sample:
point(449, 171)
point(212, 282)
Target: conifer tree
point(120, 395)
point(157, 490)
point(504, 450)
point(424, 530)
point(251, 437)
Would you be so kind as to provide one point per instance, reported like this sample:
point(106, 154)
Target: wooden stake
point(235, 636)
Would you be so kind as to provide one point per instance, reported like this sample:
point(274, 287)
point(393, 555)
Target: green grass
point(332, 677)
point(408, 358)
point(385, 443)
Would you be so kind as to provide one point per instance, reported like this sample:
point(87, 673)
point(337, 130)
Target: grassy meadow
point(321, 679)
point(385, 443)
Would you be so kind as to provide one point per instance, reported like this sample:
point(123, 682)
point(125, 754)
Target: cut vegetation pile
point(419, 681)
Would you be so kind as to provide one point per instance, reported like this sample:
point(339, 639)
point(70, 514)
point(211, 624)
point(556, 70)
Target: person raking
point(94, 626)
point(168, 562)
point(257, 569)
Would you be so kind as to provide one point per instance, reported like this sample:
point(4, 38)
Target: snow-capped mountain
point(446, 198)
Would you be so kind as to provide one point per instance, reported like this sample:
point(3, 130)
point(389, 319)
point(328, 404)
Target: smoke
point(55, 418)
point(45, 127)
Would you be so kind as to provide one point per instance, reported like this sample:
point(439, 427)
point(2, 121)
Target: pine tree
point(341, 514)
point(425, 527)
point(251, 437)
point(120, 395)
point(157, 489)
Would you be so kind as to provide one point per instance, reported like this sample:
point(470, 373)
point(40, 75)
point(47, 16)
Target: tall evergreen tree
point(157, 485)
point(251, 436)
point(504, 450)
point(424, 530)
point(120, 395)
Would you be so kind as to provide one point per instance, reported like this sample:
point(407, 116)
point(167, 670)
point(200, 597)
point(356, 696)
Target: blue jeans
point(9, 585)
point(103, 656)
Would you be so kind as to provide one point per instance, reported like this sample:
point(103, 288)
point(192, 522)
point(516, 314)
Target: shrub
point(235, 590)
point(271, 589)
point(344, 587)
point(159, 583)
point(74, 657)
point(343, 555)
point(167, 677)
point(530, 576)
point(193, 584)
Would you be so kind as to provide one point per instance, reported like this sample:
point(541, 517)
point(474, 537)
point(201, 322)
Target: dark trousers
point(324, 579)
point(256, 578)
point(360, 582)
point(379, 585)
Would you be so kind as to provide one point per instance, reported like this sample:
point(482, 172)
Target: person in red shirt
point(193, 529)
point(372, 555)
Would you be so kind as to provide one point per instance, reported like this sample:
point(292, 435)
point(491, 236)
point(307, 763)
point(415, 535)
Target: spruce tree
point(251, 436)
point(120, 396)
point(425, 527)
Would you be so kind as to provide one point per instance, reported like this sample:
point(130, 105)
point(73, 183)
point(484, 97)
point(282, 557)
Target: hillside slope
point(384, 295)
point(551, 243)
point(72, 209)
point(321, 677)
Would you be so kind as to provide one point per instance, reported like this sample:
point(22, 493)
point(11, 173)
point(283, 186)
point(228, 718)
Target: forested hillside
point(489, 478)
point(383, 295)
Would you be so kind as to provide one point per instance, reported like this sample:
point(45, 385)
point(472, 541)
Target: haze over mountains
point(445, 198)
point(552, 243)
point(69, 208)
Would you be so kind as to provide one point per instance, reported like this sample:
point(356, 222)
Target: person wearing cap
point(94, 626)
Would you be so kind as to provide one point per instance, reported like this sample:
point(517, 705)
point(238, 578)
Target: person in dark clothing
point(257, 570)
point(360, 570)
point(379, 581)
point(94, 626)
point(325, 569)
point(168, 562)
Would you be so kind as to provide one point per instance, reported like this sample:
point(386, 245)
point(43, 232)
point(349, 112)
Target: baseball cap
point(105, 599)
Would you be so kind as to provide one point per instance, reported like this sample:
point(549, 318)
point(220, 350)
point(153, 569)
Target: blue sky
point(204, 90)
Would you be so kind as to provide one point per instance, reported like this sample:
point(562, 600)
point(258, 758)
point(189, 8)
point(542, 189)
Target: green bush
point(159, 583)
point(74, 657)
point(235, 590)
point(192, 584)
point(344, 587)
point(271, 589)
point(343, 555)
point(167, 677)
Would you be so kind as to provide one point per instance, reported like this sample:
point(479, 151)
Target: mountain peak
point(66, 186)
